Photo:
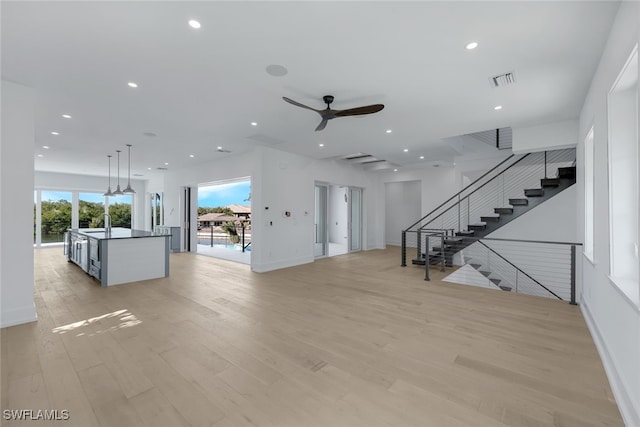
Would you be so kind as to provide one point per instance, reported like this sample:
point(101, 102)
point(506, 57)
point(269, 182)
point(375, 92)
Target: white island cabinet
point(119, 255)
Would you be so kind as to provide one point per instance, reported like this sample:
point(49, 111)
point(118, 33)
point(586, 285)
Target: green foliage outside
point(230, 228)
point(56, 217)
point(219, 209)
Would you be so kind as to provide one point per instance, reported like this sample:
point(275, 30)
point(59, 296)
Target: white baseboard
point(629, 409)
point(270, 266)
point(18, 316)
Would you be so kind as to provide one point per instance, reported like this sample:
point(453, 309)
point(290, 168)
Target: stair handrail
point(467, 187)
point(470, 194)
point(519, 269)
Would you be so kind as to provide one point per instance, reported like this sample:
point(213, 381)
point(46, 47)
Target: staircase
point(458, 240)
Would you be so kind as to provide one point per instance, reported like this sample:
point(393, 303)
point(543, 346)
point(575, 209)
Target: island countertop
point(116, 233)
point(119, 256)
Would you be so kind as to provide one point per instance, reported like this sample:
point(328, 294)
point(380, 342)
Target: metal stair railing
point(507, 180)
point(539, 268)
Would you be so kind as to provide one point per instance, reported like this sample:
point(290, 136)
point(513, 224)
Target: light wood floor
point(353, 340)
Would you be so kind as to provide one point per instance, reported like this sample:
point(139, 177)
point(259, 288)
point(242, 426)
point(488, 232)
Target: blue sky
point(224, 194)
point(54, 196)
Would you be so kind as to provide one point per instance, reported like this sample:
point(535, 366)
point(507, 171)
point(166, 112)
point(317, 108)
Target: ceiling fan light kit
point(328, 114)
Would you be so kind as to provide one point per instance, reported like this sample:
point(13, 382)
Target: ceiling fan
point(328, 114)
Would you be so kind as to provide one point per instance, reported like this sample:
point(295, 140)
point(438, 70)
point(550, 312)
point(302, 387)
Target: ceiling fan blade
point(359, 110)
point(297, 104)
point(322, 124)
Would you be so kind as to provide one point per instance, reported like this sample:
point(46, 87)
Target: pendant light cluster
point(127, 190)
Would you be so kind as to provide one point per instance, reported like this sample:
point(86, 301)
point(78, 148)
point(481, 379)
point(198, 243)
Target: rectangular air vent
point(503, 80)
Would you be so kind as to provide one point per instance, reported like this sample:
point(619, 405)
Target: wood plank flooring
point(353, 340)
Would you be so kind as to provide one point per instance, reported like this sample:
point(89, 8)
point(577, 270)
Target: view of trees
point(56, 217)
point(219, 209)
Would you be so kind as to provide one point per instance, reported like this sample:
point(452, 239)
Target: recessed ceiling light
point(406, 150)
point(254, 124)
point(472, 45)
point(132, 84)
point(194, 24)
point(395, 170)
point(498, 107)
point(219, 148)
point(276, 70)
point(421, 157)
point(320, 145)
point(66, 116)
point(191, 155)
point(389, 131)
point(40, 155)
point(148, 169)
point(55, 133)
point(46, 147)
point(166, 163)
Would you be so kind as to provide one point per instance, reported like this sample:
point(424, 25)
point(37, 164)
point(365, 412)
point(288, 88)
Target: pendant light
point(129, 190)
point(118, 191)
point(109, 192)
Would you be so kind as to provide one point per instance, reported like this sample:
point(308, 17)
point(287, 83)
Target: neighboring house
point(214, 219)
point(240, 211)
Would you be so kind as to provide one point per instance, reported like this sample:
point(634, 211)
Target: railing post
point(419, 245)
point(573, 275)
point(426, 261)
point(442, 252)
point(403, 249)
point(243, 237)
point(459, 213)
point(516, 280)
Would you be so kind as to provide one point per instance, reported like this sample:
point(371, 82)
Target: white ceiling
point(200, 89)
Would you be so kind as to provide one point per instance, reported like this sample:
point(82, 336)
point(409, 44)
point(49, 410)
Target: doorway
point(224, 220)
point(338, 220)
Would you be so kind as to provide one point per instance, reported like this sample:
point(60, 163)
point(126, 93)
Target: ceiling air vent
point(503, 80)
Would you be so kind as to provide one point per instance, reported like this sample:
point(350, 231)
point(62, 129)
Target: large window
point(588, 196)
point(120, 211)
point(90, 210)
point(55, 215)
point(623, 179)
point(54, 212)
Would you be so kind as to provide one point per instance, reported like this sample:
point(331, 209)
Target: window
point(120, 211)
point(90, 210)
point(588, 196)
point(623, 179)
point(55, 215)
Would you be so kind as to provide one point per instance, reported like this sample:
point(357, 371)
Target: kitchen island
point(118, 255)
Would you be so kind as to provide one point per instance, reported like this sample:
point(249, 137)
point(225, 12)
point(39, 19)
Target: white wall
point(94, 184)
point(338, 216)
point(553, 221)
point(614, 320)
point(403, 206)
point(280, 182)
point(549, 136)
point(16, 187)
